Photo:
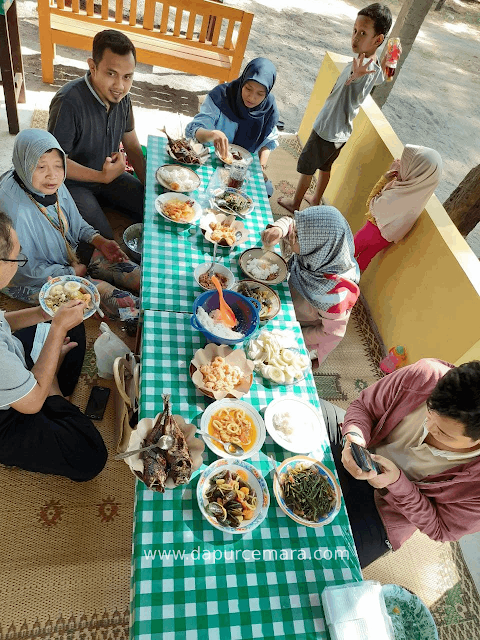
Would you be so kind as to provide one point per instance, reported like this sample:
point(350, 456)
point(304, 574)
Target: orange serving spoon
point(228, 317)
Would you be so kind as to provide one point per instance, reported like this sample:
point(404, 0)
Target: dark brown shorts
point(318, 154)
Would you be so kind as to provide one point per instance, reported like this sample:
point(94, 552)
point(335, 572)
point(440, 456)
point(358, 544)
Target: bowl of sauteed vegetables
point(268, 299)
point(233, 496)
point(307, 492)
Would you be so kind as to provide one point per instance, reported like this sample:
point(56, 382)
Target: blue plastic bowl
point(246, 311)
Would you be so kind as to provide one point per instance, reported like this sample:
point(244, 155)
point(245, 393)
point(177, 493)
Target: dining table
point(188, 579)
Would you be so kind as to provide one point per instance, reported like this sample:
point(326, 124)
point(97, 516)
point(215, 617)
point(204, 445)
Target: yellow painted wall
point(424, 292)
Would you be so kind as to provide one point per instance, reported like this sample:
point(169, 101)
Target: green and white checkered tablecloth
point(190, 581)
point(172, 251)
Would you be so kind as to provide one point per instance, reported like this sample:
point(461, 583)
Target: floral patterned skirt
point(117, 283)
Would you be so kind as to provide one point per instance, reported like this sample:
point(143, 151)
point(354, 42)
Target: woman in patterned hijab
point(324, 274)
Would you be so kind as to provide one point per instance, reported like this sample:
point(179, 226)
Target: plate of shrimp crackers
point(61, 289)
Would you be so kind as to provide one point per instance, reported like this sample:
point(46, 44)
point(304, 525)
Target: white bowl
point(218, 268)
point(228, 403)
point(165, 197)
point(289, 464)
point(255, 480)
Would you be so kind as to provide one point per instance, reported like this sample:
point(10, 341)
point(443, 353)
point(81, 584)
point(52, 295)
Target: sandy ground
point(434, 101)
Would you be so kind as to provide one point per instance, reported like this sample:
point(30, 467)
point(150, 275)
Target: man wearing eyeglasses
point(40, 430)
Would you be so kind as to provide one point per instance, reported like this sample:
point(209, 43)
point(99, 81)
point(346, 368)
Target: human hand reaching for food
point(271, 235)
point(220, 142)
point(69, 315)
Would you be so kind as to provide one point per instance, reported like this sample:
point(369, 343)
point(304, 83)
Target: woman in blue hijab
point(242, 112)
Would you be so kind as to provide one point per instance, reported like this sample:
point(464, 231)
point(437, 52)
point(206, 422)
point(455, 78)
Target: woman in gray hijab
point(50, 229)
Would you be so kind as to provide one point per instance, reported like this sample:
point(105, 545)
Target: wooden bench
point(177, 41)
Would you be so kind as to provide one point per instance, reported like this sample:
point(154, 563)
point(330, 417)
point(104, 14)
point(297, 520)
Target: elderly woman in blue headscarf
point(242, 112)
point(50, 229)
point(323, 274)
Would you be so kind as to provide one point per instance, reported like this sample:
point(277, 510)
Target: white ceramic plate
point(258, 287)
point(86, 285)
point(270, 257)
point(255, 480)
point(165, 197)
point(219, 194)
point(247, 157)
point(228, 403)
point(288, 465)
point(176, 167)
point(306, 419)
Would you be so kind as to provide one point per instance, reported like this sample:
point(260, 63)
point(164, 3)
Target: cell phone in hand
point(97, 403)
point(363, 458)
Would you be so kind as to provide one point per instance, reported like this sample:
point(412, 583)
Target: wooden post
point(11, 66)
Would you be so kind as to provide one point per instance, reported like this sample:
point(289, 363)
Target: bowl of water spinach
point(307, 492)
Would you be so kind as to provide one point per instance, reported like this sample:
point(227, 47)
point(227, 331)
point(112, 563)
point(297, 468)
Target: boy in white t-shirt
point(333, 125)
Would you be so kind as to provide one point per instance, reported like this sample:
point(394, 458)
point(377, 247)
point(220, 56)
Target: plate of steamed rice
point(177, 178)
point(263, 266)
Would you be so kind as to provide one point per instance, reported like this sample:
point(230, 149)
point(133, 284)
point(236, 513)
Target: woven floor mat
point(437, 573)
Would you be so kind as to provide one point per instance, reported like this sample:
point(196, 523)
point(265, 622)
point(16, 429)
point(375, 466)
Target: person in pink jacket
point(423, 424)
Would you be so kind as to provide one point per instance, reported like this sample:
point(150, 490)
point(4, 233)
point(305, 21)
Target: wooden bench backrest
point(230, 31)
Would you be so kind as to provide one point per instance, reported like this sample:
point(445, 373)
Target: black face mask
point(46, 201)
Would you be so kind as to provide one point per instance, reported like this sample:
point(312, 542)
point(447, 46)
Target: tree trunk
point(463, 204)
point(406, 27)
point(440, 5)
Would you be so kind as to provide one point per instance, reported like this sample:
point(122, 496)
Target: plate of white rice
point(174, 177)
point(265, 267)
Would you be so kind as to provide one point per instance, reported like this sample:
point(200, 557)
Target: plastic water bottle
point(396, 357)
point(394, 50)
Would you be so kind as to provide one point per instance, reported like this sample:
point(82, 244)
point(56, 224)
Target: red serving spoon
point(228, 317)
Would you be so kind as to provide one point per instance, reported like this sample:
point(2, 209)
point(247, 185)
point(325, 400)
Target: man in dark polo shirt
point(89, 117)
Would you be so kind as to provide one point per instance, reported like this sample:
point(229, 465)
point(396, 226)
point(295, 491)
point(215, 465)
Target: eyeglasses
point(22, 260)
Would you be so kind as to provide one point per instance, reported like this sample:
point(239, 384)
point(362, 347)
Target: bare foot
point(310, 198)
point(66, 347)
point(287, 204)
